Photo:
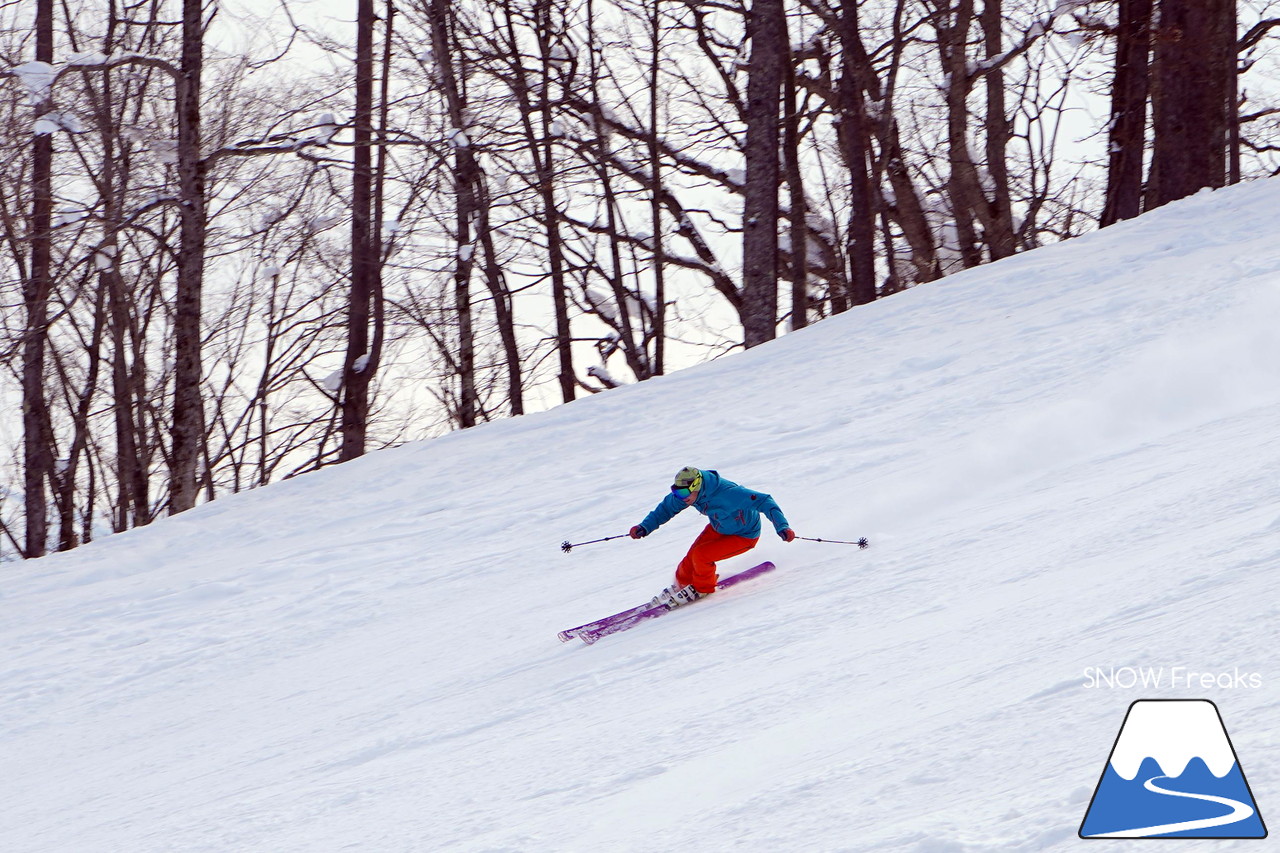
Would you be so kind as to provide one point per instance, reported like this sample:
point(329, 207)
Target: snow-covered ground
point(1066, 460)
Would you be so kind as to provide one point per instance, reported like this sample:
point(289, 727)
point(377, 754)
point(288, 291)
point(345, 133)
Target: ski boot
point(675, 596)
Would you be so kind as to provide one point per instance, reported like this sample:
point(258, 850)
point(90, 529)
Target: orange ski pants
point(699, 566)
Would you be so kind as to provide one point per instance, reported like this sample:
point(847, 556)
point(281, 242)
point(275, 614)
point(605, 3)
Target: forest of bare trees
point(241, 242)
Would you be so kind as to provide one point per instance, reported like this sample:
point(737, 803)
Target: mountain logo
point(1173, 773)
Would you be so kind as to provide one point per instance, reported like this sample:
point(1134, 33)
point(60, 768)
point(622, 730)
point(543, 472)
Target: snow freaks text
point(1172, 677)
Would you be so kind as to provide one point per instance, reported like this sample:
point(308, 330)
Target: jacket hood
point(710, 485)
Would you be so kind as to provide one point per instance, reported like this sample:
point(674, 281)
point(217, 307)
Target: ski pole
point(861, 543)
point(567, 546)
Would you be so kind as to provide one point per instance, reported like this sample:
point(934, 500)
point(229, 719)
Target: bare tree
point(855, 138)
point(1128, 129)
point(360, 364)
point(551, 176)
point(467, 197)
point(767, 34)
point(37, 454)
point(188, 405)
point(998, 222)
point(797, 243)
point(1195, 49)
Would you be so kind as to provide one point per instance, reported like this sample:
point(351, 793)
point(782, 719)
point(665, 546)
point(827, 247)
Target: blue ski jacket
point(732, 509)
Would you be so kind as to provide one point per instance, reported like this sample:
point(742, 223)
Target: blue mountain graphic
point(1119, 804)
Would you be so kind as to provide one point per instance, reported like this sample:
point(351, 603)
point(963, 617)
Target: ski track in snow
point(1069, 458)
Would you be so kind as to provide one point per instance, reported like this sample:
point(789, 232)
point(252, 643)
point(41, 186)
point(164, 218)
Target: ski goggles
point(685, 487)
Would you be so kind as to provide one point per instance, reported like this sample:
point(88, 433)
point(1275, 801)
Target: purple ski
point(593, 631)
point(569, 633)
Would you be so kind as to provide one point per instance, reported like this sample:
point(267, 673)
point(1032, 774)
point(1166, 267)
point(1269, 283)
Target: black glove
point(638, 532)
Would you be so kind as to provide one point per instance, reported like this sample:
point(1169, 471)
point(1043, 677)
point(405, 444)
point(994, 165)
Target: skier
point(734, 513)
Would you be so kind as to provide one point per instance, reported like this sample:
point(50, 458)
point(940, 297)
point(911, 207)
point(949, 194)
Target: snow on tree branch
point(1033, 34)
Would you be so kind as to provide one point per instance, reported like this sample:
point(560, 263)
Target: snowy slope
point(1068, 459)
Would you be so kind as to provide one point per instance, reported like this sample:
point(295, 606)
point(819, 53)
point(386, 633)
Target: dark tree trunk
point(37, 452)
point(466, 178)
point(904, 206)
point(1233, 51)
point(133, 507)
point(998, 221)
point(559, 287)
point(854, 136)
point(503, 309)
point(544, 23)
point(122, 303)
point(357, 368)
point(798, 227)
point(632, 339)
point(1195, 59)
point(68, 536)
point(1129, 90)
point(537, 105)
point(767, 32)
point(472, 227)
point(188, 407)
point(963, 188)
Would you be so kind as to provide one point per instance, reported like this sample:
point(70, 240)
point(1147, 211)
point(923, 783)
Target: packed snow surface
point(1068, 463)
